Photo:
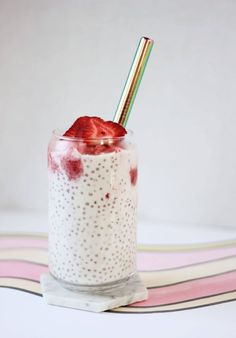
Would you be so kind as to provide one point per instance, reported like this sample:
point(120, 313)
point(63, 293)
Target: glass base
point(55, 294)
point(94, 288)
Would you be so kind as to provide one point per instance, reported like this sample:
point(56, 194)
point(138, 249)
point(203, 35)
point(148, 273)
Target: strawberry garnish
point(73, 167)
point(133, 175)
point(94, 127)
point(108, 128)
point(93, 132)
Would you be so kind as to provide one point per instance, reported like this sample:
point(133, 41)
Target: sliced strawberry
point(91, 130)
point(99, 149)
point(94, 127)
point(116, 129)
point(80, 126)
point(73, 167)
point(108, 128)
point(133, 175)
point(96, 149)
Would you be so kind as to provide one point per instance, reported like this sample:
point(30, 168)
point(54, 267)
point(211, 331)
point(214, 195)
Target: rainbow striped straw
point(133, 81)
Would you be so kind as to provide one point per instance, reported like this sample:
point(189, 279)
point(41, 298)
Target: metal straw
point(133, 81)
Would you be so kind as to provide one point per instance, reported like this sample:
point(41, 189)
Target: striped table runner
point(179, 277)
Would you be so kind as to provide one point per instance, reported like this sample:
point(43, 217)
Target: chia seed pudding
point(92, 212)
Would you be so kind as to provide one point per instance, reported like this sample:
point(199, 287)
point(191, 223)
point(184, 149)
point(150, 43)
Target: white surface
point(127, 293)
point(26, 316)
point(62, 58)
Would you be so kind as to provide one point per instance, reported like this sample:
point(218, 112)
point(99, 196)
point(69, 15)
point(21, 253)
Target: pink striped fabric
point(22, 270)
point(204, 287)
point(148, 261)
point(182, 292)
point(8, 242)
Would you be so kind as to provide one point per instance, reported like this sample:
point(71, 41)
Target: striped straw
point(133, 81)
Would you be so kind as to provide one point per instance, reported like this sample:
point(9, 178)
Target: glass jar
point(92, 211)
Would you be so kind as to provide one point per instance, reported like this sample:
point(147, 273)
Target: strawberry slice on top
point(88, 128)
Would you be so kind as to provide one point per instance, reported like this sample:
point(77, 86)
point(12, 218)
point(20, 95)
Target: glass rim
point(58, 133)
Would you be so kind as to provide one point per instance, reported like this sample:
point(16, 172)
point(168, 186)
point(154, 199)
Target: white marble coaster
point(55, 294)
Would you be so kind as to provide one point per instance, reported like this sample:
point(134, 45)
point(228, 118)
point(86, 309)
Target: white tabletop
point(26, 316)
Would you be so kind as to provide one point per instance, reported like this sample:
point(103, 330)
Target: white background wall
point(62, 58)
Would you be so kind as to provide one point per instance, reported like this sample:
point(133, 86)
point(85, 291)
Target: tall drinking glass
point(92, 211)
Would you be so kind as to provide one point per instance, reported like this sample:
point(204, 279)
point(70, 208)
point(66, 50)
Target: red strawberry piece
point(78, 127)
point(133, 175)
point(52, 164)
point(72, 166)
point(108, 128)
point(98, 149)
point(103, 149)
point(94, 127)
point(89, 149)
point(91, 130)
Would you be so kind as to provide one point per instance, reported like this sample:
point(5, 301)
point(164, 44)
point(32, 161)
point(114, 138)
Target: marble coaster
point(55, 294)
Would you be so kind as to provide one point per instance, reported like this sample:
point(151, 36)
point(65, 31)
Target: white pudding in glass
point(92, 213)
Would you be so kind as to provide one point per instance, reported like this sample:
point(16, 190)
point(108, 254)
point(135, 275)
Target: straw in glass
point(133, 81)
